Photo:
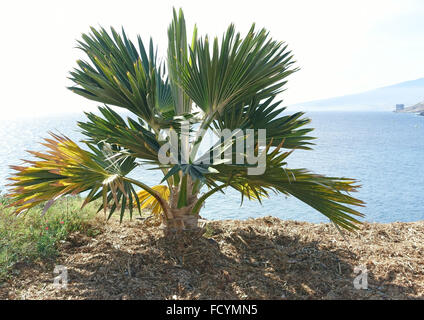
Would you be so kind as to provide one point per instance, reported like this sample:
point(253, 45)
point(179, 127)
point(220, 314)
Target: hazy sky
point(341, 46)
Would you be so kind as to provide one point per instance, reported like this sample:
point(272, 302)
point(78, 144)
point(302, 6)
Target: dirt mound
point(264, 258)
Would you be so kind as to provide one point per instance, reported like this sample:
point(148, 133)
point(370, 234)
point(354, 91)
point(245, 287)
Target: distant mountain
point(419, 107)
point(381, 99)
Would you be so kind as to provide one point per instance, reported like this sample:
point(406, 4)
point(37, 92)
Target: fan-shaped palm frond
point(267, 115)
point(122, 76)
point(147, 201)
point(237, 70)
point(67, 169)
point(328, 195)
point(135, 137)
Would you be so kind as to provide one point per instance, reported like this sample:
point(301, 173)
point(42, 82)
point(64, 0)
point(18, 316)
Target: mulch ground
point(264, 258)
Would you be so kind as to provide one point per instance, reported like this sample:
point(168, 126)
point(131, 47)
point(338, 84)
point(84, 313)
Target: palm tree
point(228, 84)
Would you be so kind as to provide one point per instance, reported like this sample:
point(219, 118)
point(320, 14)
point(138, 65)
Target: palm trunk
point(181, 220)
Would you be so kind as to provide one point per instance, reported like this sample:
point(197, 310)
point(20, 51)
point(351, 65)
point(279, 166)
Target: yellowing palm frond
point(68, 169)
point(253, 193)
point(147, 201)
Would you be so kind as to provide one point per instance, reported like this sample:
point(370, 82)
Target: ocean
point(383, 150)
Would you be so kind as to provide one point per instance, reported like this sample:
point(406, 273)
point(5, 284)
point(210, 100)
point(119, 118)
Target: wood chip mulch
point(264, 258)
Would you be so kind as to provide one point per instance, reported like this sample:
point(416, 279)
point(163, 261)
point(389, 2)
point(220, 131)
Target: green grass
point(32, 236)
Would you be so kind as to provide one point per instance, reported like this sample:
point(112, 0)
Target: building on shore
point(400, 107)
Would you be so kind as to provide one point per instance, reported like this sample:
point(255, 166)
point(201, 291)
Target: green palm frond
point(267, 115)
point(329, 195)
point(164, 97)
point(237, 70)
point(178, 56)
point(122, 76)
point(135, 137)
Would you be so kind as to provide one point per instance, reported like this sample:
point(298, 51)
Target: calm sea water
point(385, 151)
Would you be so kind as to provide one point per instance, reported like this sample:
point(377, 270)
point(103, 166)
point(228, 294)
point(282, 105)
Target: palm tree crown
point(206, 85)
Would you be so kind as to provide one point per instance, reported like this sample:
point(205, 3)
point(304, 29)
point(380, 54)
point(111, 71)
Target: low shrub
point(33, 235)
